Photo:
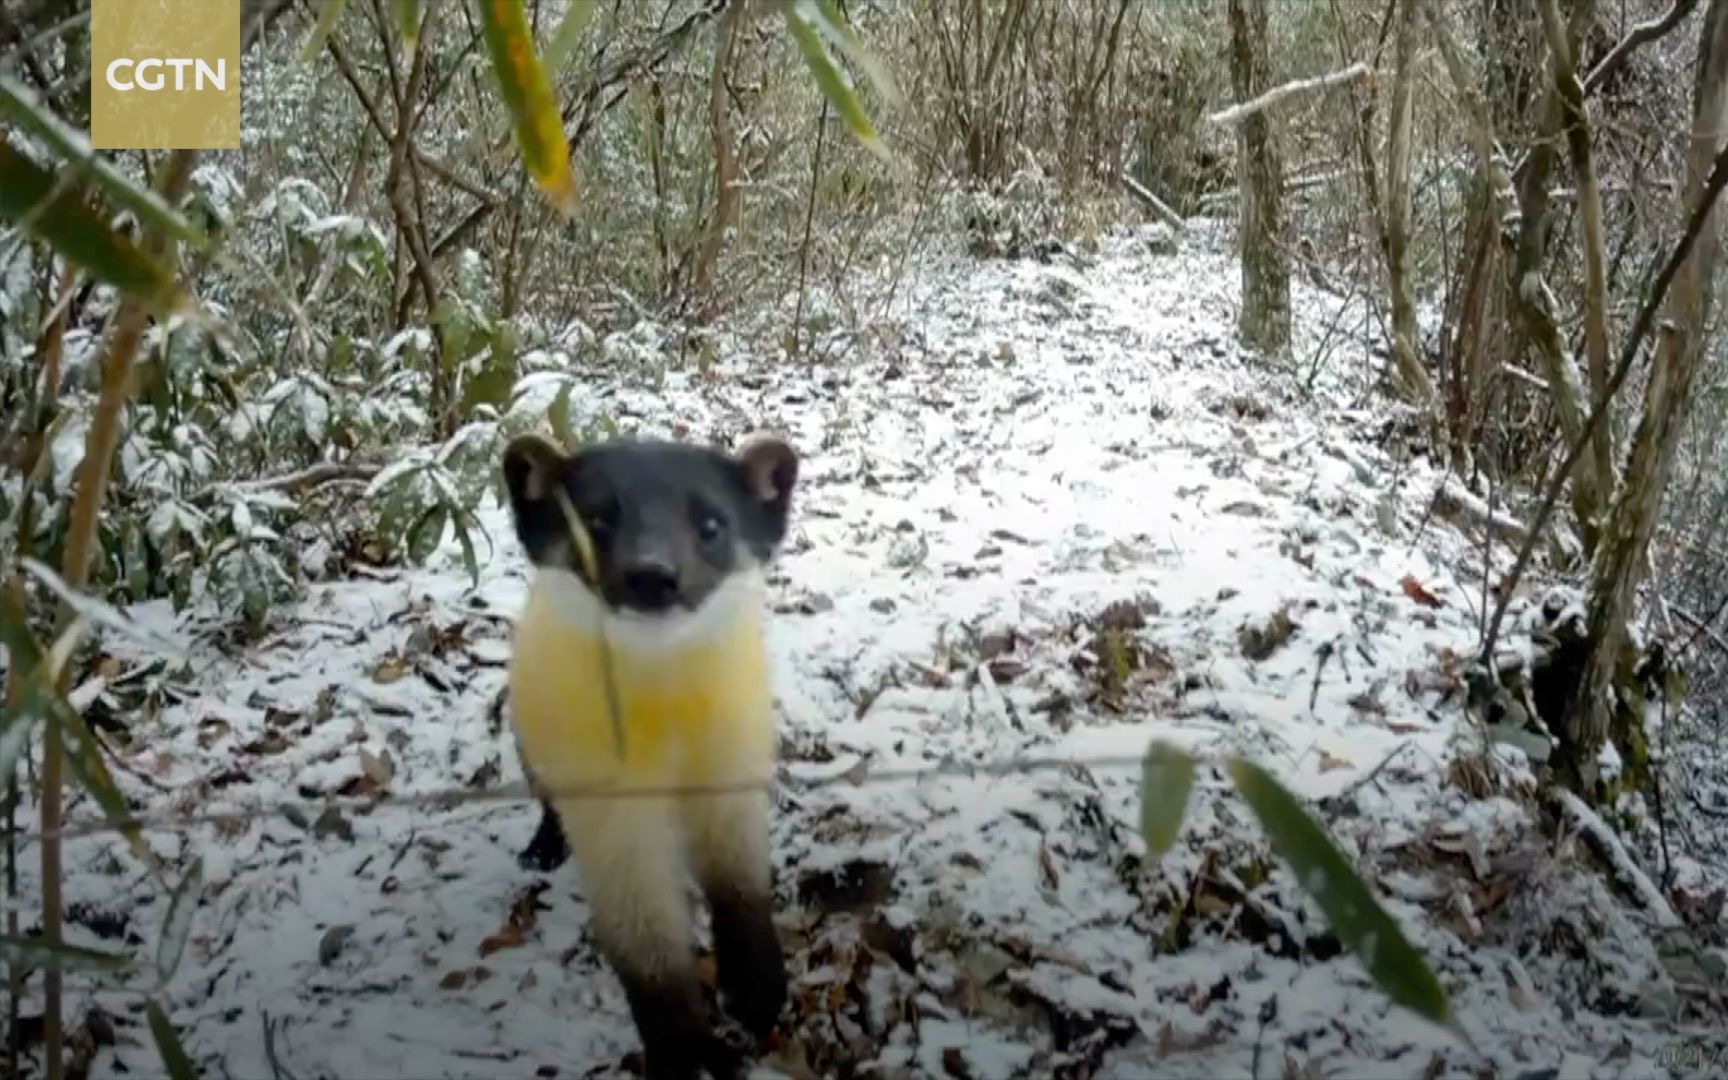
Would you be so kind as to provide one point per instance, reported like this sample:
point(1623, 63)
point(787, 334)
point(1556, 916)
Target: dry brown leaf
point(389, 669)
point(1047, 866)
point(1330, 762)
point(1415, 591)
point(524, 916)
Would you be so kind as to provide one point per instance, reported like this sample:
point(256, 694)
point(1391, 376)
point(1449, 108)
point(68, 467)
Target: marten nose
point(650, 586)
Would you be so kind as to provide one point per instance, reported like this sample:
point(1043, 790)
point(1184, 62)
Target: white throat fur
point(571, 601)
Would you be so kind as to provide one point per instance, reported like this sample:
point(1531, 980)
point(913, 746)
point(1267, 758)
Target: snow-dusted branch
point(1236, 113)
point(1157, 205)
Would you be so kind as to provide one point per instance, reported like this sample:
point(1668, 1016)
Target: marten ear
point(533, 470)
point(770, 470)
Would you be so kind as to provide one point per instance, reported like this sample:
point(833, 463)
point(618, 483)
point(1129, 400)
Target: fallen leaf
point(1415, 591)
point(389, 669)
point(1330, 761)
point(331, 944)
point(524, 915)
point(1047, 866)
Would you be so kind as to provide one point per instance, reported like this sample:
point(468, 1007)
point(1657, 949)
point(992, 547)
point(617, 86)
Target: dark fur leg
point(752, 966)
point(548, 849)
point(672, 1019)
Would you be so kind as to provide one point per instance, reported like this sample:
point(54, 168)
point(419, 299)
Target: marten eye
point(709, 527)
point(598, 521)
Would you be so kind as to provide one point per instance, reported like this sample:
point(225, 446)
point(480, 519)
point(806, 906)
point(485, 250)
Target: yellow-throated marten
point(679, 535)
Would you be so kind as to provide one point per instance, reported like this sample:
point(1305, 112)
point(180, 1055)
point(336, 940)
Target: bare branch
point(1237, 113)
point(1642, 34)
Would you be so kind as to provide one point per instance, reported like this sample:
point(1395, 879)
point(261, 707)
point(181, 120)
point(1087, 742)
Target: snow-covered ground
point(1051, 512)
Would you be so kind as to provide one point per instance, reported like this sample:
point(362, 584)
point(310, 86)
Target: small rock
point(883, 605)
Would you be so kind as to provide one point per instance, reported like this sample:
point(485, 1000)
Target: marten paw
point(548, 850)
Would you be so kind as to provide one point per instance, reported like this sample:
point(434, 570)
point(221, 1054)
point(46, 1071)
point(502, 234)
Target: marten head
point(670, 523)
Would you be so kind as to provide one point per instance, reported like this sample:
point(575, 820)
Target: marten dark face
point(669, 521)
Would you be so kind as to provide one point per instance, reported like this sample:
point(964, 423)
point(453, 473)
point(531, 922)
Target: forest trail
point(1054, 515)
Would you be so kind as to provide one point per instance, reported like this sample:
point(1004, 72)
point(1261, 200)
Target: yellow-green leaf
point(168, 1047)
point(57, 215)
point(408, 14)
point(329, 14)
point(829, 78)
point(569, 32)
point(835, 28)
point(23, 108)
point(528, 97)
point(1165, 781)
point(36, 953)
point(1350, 908)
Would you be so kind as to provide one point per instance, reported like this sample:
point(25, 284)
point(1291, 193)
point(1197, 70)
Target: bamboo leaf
point(55, 214)
point(37, 953)
point(177, 924)
point(528, 98)
point(829, 78)
point(97, 610)
point(408, 14)
point(22, 107)
point(329, 14)
point(834, 26)
point(168, 1046)
point(1165, 781)
point(84, 759)
point(463, 523)
point(423, 537)
point(1350, 908)
point(569, 32)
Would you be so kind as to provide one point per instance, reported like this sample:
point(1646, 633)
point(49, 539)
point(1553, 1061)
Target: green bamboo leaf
point(38, 674)
point(84, 759)
point(1165, 781)
point(23, 108)
point(55, 214)
point(559, 415)
point(177, 924)
point(424, 536)
point(829, 78)
point(36, 953)
point(94, 609)
point(1350, 908)
point(837, 29)
point(528, 97)
point(329, 14)
point(408, 15)
point(463, 524)
point(569, 32)
point(168, 1046)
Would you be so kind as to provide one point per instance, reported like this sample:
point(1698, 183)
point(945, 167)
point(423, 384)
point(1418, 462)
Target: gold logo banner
point(165, 74)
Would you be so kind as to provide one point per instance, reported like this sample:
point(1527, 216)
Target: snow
point(1036, 523)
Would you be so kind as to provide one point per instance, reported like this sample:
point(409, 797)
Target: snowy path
point(1055, 520)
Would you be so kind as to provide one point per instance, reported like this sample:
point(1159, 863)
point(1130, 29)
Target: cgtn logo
point(164, 74)
point(126, 74)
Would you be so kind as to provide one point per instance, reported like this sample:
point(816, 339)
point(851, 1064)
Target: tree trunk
point(1569, 92)
point(725, 162)
point(1265, 318)
point(1410, 376)
point(1679, 352)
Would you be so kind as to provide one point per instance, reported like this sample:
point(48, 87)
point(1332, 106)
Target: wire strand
point(520, 791)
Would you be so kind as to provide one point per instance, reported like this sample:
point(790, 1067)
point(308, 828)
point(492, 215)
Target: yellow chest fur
point(697, 713)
